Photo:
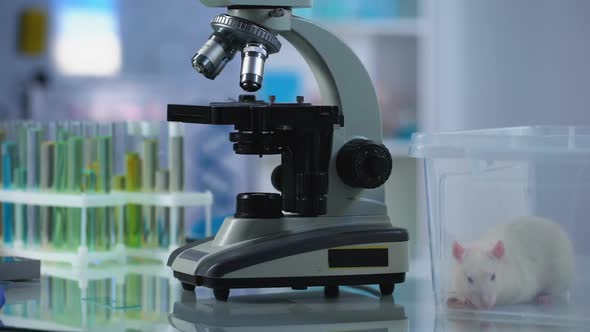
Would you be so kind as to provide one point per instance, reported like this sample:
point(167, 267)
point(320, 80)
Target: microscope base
point(329, 256)
point(386, 282)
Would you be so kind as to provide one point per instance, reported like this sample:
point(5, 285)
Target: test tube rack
point(175, 201)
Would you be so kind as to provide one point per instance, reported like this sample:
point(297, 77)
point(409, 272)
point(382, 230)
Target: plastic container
point(476, 180)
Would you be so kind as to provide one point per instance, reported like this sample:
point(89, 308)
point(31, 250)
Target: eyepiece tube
point(213, 56)
point(253, 59)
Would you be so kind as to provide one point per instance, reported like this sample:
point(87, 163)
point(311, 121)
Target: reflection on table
point(145, 297)
point(357, 309)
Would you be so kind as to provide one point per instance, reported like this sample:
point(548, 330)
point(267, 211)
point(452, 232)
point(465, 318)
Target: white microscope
point(329, 225)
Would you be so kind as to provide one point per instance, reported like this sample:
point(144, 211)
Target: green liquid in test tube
point(34, 136)
point(89, 186)
point(103, 168)
point(162, 212)
point(176, 175)
point(133, 231)
point(148, 176)
point(94, 238)
point(60, 174)
point(74, 181)
point(119, 185)
point(20, 177)
point(20, 180)
point(46, 183)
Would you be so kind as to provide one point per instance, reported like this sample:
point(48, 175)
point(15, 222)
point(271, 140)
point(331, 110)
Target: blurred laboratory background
point(461, 64)
point(109, 60)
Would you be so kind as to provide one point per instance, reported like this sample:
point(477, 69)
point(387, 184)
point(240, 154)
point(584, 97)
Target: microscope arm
point(343, 81)
point(341, 77)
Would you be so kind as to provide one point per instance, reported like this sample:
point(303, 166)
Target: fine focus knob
point(363, 163)
point(259, 205)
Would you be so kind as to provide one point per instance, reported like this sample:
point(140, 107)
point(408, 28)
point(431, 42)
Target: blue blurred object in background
point(286, 85)
point(378, 9)
point(215, 166)
point(2, 297)
point(197, 230)
point(351, 9)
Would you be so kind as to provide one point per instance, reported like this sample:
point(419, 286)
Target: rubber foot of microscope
point(221, 294)
point(331, 291)
point(187, 286)
point(386, 289)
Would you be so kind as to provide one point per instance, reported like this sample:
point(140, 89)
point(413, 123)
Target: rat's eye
point(493, 277)
point(470, 280)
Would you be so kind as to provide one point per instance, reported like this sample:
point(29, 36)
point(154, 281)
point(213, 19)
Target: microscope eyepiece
point(253, 59)
point(232, 34)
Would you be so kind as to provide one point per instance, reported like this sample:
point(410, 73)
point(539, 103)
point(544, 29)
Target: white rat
point(529, 259)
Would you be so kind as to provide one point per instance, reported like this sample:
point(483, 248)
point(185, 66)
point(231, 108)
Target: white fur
point(538, 260)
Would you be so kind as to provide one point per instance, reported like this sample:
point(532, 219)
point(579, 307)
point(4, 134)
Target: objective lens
point(253, 59)
point(213, 56)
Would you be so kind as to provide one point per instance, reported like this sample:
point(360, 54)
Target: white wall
point(505, 62)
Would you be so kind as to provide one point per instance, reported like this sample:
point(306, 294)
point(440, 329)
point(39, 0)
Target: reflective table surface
point(144, 297)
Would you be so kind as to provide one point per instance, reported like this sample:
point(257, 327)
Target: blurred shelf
point(397, 147)
point(399, 27)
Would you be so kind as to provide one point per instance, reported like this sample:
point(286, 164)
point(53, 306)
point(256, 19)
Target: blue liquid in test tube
point(8, 162)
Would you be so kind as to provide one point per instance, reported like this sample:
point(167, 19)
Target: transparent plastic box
point(477, 180)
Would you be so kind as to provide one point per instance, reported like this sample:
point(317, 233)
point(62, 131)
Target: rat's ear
point(458, 251)
point(498, 250)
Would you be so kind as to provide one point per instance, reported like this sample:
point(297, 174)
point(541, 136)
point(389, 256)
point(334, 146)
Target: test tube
point(9, 151)
point(95, 240)
point(162, 213)
point(119, 185)
point(20, 182)
point(176, 176)
point(46, 183)
point(89, 169)
point(74, 181)
point(133, 211)
point(34, 136)
point(148, 177)
point(104, 157)
point(60, 184)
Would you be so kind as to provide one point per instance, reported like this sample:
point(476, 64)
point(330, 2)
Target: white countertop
point(147, 299)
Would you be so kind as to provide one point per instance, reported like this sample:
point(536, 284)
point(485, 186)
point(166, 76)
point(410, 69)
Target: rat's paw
point(455, 302)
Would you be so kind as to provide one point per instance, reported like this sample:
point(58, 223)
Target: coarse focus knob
point(363, 163)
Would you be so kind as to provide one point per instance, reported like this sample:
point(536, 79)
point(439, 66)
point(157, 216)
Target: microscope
point(328, 225)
